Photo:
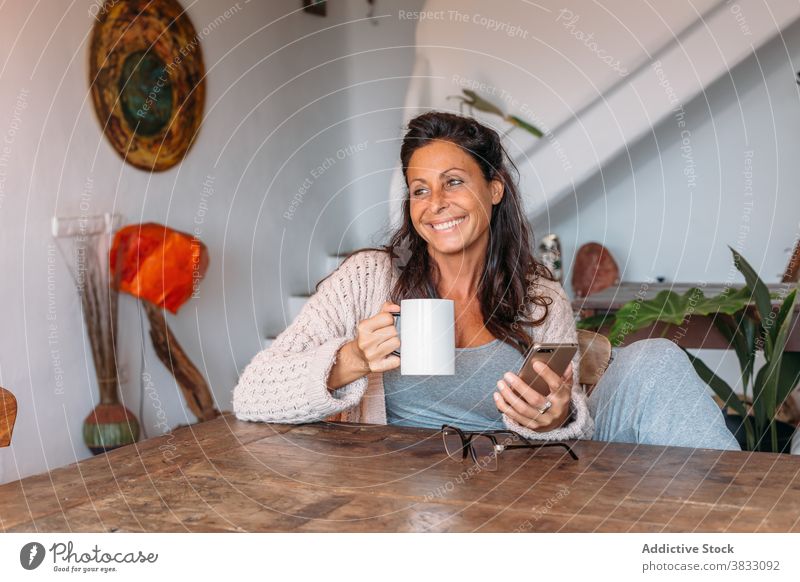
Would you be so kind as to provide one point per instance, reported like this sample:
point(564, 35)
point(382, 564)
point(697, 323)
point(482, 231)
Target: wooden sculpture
point(594, 270)
point(162, 267)
point(8, 415)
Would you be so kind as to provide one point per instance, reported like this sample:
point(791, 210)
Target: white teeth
point(446, 225)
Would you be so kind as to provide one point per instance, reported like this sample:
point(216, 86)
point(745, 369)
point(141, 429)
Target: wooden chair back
point(595, 355)
point(8, 415)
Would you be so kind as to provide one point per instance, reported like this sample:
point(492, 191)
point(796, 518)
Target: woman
point(464, 237)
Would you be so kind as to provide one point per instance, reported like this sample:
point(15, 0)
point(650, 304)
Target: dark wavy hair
point(505, 290)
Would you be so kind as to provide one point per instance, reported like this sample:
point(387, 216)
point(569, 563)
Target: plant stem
point(773, 429)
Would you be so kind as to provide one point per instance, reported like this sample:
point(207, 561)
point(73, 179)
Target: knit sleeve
point(559, 327)
point(287, 382)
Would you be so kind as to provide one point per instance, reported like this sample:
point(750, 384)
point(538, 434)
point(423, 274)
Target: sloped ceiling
point(594, 75)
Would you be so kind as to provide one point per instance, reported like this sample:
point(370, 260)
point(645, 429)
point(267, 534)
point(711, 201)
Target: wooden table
point(228, 475)
point(699, 331)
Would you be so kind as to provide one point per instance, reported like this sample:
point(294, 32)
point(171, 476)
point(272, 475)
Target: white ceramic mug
point(427, 337)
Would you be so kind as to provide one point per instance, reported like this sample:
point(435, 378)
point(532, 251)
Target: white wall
point(274, 111)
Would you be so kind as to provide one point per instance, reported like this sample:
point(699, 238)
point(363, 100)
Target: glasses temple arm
point(540, 445)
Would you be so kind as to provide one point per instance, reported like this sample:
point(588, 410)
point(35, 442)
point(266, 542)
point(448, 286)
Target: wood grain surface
point(229, 475)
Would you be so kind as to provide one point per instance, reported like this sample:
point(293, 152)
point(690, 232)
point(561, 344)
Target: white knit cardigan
point(287, 382)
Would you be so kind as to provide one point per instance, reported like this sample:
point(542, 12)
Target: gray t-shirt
point(463, 400)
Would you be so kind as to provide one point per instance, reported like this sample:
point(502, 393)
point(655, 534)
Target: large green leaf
point(666, 306)
point(720, 386)
point(739, 331)
point(670, 307)
point(595, 322)
point(730, 301)
point(766, 385)
point(752, 330)
point(786, 308)
point(760, 405)
point(760, 292)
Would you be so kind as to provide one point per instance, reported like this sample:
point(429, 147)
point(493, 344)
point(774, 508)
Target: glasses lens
point(453, 444)
point(484, 452)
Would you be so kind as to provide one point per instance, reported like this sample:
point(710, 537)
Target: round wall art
point(147, 76)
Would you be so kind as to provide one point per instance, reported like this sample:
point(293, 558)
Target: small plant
point(747, 320)
point(474, 101)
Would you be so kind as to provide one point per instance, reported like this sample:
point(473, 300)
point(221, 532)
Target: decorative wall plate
point(147, 76)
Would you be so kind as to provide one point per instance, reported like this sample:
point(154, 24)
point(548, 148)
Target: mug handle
point(396, 317)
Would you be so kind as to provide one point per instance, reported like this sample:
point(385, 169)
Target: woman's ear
point(497, 191)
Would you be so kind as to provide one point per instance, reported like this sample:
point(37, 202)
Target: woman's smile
point(447, 225)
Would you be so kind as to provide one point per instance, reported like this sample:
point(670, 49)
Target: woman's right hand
point(376, 339)
point(370, 351)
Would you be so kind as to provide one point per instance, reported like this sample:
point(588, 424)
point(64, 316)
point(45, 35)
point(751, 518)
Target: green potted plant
point(747, 319)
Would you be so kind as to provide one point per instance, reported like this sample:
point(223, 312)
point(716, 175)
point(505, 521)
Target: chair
point(8, 415)
point(595, 355)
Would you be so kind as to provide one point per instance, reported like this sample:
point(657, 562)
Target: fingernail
point(496, 396)
point(508, 377)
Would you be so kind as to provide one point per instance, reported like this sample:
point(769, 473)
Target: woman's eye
point(451, 182)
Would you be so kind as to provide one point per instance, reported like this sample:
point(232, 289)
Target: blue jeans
point(650, 394)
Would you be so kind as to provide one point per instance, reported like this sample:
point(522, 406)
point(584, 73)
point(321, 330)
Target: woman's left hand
point(521, 403)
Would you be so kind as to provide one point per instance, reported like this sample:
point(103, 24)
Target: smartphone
point(556, 356)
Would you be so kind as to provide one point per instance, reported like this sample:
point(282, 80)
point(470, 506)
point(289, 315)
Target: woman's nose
point(438, 200)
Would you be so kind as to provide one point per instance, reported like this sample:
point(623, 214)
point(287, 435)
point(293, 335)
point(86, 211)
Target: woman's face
point(451, 201)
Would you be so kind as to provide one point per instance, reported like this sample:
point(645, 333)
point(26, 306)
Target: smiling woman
point(465, 233)
point(464, 237)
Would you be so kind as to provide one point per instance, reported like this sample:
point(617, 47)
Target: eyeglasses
point(484, 447)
